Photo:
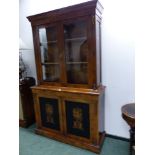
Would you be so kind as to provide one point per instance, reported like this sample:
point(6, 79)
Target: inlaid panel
point(77, 116)
point(49, 113)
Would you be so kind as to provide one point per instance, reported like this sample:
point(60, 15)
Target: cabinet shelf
point(50, 63)
point(76, 63)
point(51, 80)
point(76, 39)
point(66, 40)
point(48, 43)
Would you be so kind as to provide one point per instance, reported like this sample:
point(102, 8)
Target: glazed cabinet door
point(50, 54)
point(76, 51)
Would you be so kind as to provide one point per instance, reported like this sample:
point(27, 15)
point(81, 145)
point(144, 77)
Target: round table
point(128, 114)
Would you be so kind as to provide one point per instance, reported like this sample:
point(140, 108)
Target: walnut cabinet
point(69, 96)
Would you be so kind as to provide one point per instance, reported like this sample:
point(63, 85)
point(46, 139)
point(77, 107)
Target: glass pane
point(51, 72)
point(98, 51)
point(76, 52)
point(49, 54)
point(77, 73)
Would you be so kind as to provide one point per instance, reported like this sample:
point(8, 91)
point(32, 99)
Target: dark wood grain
point(83, 9)
point(128, 114)
point(27, 102)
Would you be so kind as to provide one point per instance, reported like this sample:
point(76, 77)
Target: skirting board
point(118, 137)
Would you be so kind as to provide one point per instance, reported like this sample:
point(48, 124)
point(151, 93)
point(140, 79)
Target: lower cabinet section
point(69, 115)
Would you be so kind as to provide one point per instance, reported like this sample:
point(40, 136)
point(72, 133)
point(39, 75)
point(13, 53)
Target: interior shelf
point(69, 63)
point(76, 39)
point(49, 42)
point(50, 63)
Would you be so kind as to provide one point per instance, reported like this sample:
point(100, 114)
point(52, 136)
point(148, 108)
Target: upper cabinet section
point(66, 45)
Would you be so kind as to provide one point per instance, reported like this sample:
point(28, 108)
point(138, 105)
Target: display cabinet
point(68, 97)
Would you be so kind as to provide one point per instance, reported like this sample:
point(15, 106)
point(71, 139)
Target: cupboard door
point(76, 51)
point(77, 119)
point(49, 113)
point(50, 56)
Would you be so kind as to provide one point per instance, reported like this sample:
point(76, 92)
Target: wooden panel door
point(49, 110)
point(81, 119)
point(77, 118)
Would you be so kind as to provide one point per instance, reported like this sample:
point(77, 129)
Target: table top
point(129, 110)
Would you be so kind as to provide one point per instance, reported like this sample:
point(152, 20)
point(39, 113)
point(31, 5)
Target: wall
point(117, 62)
point(117, 54)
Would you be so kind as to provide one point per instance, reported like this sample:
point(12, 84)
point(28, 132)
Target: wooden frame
point(85, 94)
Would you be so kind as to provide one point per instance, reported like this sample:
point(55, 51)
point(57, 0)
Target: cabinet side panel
point(92, 52)
point(36, 43)
point(98, 51)
point(101, 109)
point(20, 108)
point(94, 122)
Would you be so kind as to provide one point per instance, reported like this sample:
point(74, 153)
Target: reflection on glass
point(76, 51)
point(51, 73)
point(77, 73)
point(49, 54)
point(49, 47)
